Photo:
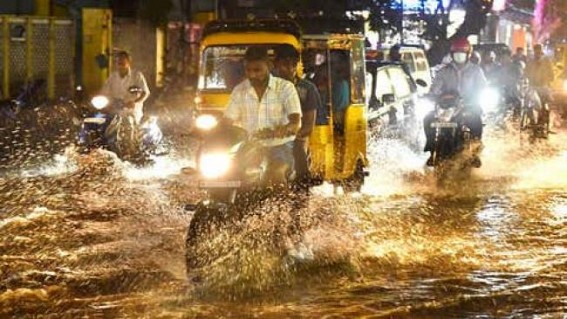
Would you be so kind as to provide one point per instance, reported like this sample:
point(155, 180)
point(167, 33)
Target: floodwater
point(92, 237)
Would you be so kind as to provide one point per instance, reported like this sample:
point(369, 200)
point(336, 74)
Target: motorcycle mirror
point(421, 83)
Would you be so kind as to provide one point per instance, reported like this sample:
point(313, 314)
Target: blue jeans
point(280, 162)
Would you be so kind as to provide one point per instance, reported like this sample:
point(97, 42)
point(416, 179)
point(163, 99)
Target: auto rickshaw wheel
point(355, 182)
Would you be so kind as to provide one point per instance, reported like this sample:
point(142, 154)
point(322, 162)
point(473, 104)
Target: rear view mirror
point(388, 98)
point(421, 83)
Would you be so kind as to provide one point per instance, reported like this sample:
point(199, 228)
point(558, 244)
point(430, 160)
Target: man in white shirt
point(269, 108)
point(118, 84)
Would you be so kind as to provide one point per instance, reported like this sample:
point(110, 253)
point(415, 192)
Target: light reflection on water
point(81, 240)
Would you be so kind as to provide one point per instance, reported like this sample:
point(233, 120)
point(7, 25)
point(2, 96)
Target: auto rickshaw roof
point(275, 25)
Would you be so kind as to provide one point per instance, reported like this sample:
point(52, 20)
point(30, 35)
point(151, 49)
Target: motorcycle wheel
point(204, 222)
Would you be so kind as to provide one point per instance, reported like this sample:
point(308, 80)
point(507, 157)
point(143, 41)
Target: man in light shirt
point(269, 108)
point(118, 86)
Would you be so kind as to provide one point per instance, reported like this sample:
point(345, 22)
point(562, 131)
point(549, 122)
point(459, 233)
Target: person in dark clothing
point(286, 60)
point(467, 81)
point(396, 56)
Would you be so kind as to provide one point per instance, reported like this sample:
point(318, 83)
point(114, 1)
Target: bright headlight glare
point(99, 102)
point(424, 107)
point(206, 122)
point(490, 99)
point(214, 165)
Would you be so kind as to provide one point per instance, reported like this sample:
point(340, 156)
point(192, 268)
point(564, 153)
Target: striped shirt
point(278, 102)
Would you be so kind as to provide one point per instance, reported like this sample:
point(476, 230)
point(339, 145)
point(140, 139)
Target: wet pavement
point(93, 237)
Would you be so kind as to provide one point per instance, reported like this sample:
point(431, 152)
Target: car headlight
point(489, 99)
point(100, 102)
point(206, 122)
point(214, 165)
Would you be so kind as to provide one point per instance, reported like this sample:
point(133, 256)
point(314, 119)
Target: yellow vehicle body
point(336, 157)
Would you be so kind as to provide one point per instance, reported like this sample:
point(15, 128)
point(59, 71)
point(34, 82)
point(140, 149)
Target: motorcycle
point(112, 126)
point(31, 96)
point(234, 170)
point(451, 135)
point(534, 112)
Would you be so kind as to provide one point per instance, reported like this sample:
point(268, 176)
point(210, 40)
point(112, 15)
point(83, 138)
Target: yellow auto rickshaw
point(338, 142)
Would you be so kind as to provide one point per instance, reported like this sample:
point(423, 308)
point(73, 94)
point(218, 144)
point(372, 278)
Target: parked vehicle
point(414, 57)
point(392, 96)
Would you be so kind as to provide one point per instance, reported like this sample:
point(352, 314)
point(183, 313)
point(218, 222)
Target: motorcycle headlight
point(100, 102)
point(206, 122)
point(214, 165)
point(489, 99)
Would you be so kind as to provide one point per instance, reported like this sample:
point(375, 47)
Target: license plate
point(220, 184)
point(95, 120)
point(444, 125)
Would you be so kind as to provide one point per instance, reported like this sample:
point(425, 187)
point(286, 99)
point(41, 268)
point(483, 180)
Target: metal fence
point(36, 48)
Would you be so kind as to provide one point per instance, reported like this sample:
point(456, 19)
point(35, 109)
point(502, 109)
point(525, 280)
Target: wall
point(141, 40)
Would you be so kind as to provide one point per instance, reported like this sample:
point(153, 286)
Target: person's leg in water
point(301, 160)
point(429, 136)
point(280, 165)
point(473, 121)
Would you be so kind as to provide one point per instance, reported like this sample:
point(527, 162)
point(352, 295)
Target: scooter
point(234, 171)
point(112, 126)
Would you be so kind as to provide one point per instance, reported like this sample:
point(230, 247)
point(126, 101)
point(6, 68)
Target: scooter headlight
point(489, 99)
point(215, 165)
point(100, 102)
point(206, 122)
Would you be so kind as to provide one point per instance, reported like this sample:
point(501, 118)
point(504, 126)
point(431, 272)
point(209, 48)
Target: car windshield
point(222, 67)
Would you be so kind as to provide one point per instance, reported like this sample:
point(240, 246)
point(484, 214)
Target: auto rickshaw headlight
point(206, 122)
point(100, 102)
point(214, 165)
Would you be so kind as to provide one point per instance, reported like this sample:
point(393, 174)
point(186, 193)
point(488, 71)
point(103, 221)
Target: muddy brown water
point(91, 237)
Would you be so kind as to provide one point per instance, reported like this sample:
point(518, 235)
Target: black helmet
point(286, 51)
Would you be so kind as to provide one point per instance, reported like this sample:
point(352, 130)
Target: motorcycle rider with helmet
point(465, 79)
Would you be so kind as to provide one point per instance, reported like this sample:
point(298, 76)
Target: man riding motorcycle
point(540, 74)
point(509, 77)
point(465, 78)
point(118, 84)
point(269, 108)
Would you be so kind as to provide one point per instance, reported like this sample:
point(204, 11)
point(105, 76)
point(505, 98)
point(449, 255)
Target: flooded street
point(91, 237)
